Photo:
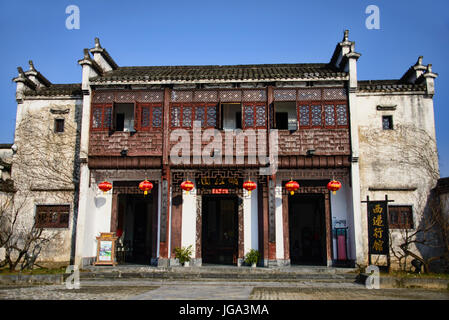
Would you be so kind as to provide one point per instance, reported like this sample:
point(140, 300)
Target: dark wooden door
point(307, 232)
point(220, 229)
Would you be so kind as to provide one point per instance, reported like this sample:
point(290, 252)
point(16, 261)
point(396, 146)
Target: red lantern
point(250, 186)
point(334, 186)
point(145, 186)
point(292, 186)
point(105, 186)
point(187, 186)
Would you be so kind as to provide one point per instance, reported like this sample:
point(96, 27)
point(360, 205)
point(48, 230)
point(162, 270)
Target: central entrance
point(219, 229)
point(135, 222)
point(307, 229)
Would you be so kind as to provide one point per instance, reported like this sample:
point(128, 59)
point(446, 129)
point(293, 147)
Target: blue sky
point(224, 32)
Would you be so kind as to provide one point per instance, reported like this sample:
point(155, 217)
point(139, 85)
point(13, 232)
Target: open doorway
point(135, 222)
point(307, 229)
point(219, 229)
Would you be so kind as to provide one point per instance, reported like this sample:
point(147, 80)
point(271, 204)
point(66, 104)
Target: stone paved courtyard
point(213, 290)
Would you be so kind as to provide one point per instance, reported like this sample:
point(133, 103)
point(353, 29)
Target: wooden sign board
point(378, 227)
point(106, 249)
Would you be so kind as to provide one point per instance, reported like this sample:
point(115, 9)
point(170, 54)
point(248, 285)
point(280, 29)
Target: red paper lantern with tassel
point(292, 186)
point(250, 186)
point(105, 186)
point(145, 186)
point(334, 186)
point(187, 186)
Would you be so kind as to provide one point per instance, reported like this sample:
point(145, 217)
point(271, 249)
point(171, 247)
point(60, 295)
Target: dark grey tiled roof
point(222, 73)
point(388, 86)
point(69, 89)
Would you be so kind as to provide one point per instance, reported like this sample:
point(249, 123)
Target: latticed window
point(211, 116)
point(260, 116)
point(157, 117)
point(145, 121)
point(187, 117)
point(342, 115)
point(206, 115)
point(200, 115)
point(254, 115)
point(175, 115)
point(248, 116)
point(316, 115)
point(400, 217)
point(52, 216)
point(304, 116)
point(150, 116)
point(101, 117)
point(327, 115)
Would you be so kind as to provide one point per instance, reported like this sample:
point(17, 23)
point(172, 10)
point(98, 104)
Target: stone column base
point(163, 262)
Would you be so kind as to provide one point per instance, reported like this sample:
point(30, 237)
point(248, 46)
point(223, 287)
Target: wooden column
point(154, 221)
point(165, 182)
point(241, 231)
point(285, 226)
point(271, 218)
point(199, 225)
point(176, 221)
point(114, 212)
point(328, 228)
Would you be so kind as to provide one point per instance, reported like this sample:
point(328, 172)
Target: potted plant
point(252, 257)
point(183, 255)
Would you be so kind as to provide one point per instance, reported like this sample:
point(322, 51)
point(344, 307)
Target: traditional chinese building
point(219, 127)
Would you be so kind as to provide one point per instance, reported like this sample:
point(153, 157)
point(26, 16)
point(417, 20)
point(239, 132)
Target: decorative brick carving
point(206, 96)
point(285, 95)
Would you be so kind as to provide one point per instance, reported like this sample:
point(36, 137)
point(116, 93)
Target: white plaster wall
point(250, 222)
point(390, 158)
point(188, 227)
point(36, 113)
point(278, 222)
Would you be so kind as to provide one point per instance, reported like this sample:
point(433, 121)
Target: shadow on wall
point(99, 201)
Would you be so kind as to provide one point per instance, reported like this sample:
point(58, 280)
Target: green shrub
point(183, 254)
point(252, 256)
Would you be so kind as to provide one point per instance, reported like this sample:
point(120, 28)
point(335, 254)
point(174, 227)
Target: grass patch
point(60, 270)
point(411, 275)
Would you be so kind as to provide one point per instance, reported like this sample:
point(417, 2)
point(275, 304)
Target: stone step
point(222, 273)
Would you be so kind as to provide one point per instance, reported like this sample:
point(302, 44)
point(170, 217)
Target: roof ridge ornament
point(419, 62)
point(86, 54)
point(346, 36)
point(30, 62)
point(97, 43)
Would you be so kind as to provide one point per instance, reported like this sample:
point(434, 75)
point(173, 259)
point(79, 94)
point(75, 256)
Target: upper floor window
point(231, 115)
point(52, 216)
point(127, 117)
point(102, 117)
point(59, 126)
point(149, 116)
point(322, 115)
point(387, 122)
point(124, 116)
point(254, 115)
point(285, 115)
point(183, 115)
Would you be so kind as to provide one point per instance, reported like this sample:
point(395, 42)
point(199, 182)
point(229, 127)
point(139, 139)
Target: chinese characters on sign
point(378, 227)
point(219, 183)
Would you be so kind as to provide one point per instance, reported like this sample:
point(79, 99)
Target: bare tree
point(45, 166)
point(415, 152)
point(21, 238)
point(43, 156)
